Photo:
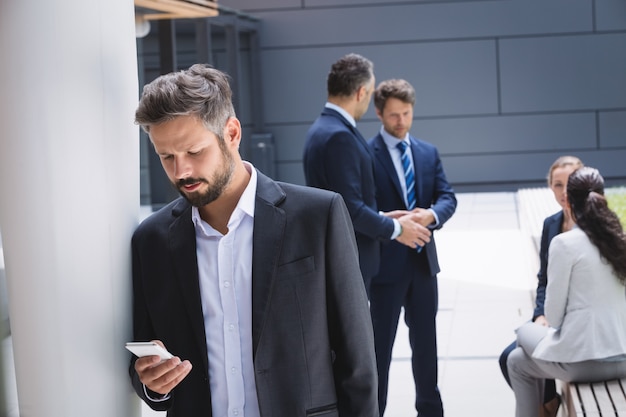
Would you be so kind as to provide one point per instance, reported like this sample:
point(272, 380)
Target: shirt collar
point(392, 141)
point(246, 202)
point(341, 111)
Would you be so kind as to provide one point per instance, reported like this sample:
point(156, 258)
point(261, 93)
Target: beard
point(215, 188)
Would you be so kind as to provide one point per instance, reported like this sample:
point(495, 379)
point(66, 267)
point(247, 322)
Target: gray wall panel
point(610, 14)
point(522, 168)
point(294, 83)
point(563, 73)
point(291, 172)
point(489, 135)
point(289, 141)
point(609, 162)
point(430, 21)
point(472, 169)
point(613, 129)
point(450, 79)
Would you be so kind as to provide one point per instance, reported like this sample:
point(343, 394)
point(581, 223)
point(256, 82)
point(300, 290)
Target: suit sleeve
point(560, 263)
point(343, 165)
point(350, 324)
point(142, 330)
point(444, 201)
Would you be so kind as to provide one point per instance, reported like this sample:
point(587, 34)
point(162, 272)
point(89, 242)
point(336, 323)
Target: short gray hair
point(200, 91)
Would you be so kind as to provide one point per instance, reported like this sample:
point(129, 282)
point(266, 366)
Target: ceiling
point(175, 9)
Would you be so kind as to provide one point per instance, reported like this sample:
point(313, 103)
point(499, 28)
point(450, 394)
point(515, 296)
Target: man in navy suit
point(409, 176)
point(337, 158)
point(253, 284)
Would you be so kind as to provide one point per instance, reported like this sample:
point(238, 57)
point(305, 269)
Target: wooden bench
point(598, 399)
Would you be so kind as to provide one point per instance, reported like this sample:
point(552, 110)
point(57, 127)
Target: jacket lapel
point(267, 241)
point(556, 225)
point(183, 248)
point(382, 154)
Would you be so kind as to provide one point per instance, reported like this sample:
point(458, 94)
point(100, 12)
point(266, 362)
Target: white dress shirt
point(225, 273)
point(396, 157)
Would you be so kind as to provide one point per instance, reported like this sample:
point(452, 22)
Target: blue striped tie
point(409, 177)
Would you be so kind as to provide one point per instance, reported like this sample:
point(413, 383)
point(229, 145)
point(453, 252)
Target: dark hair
point(585, 193)
point(395, 88)
point(348, 74)
point(200, 91)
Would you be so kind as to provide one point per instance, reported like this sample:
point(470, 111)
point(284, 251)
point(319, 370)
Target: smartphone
point(148, 349)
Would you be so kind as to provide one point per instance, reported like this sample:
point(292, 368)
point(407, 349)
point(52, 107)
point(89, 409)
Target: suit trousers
point(419, 297)
point(549, 392)
point(527, 374)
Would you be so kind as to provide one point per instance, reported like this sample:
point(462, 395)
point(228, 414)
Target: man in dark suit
point(409, 176)
point(336, 158)
point(254, 283)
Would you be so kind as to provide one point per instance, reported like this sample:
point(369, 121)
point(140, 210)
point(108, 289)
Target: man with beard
point(253, 284)
point(409, 176)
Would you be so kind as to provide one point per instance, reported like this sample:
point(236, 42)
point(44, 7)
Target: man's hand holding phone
point(158, 370)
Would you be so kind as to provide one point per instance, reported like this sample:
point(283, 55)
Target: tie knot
point(402, 146)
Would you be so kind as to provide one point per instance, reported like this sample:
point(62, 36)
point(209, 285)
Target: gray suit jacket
point(585, 303)
point(312, 334)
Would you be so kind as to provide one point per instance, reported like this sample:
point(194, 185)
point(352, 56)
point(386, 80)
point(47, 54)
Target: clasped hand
point(414, 224)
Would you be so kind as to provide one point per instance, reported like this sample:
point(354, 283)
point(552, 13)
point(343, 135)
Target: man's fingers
point(170, 380)
point(163, 377)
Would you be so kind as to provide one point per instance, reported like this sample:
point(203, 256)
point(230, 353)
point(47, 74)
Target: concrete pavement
point(486, 282)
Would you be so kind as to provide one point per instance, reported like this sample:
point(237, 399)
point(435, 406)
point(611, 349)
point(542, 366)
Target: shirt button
point(231, 327)
point(233, 370)
point(227, 284)
point(235, 412)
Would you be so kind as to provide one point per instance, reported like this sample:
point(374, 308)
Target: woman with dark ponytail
point(585, 193)
point(585, 302)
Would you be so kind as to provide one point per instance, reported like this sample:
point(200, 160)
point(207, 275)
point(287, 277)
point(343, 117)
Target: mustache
point(189, 181)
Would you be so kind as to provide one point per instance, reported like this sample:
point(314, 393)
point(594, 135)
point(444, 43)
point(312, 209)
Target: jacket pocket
point(327, 410)
point(296, 268)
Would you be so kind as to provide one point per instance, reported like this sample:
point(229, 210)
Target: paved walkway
point(486, 290)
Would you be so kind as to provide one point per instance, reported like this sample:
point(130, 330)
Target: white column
point(69, 201)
